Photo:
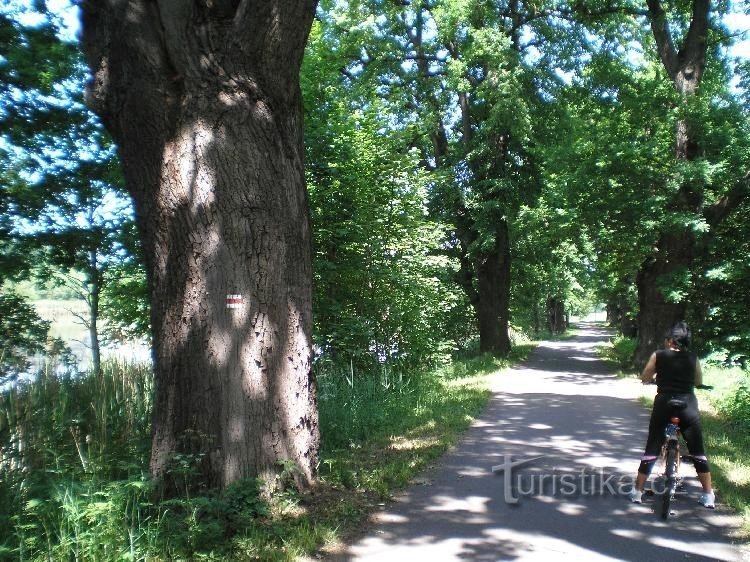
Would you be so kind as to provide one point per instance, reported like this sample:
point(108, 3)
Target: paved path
point(586, 426)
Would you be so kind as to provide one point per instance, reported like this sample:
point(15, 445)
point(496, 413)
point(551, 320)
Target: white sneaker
point(636, 496)
point(707, 499)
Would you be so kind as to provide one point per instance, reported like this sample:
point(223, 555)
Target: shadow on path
point(585, 432)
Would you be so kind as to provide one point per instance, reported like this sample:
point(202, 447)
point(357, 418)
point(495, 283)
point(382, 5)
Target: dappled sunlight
point(189, 171)
point(740, 475)
point(253, 354)
point(385, 517)
point(591, 430)
point(681, 545)
point(402, 443)
point(629, 534)
point(572, 508)
point(472, 504)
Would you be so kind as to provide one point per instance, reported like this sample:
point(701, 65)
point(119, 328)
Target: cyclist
point(676, 372)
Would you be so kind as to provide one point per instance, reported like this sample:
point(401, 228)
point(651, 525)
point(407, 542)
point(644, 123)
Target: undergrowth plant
point(74, 481)
point(619, 351)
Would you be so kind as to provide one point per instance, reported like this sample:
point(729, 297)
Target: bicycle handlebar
point(698, 386)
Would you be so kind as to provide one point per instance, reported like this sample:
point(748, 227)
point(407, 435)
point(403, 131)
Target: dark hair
point(680, 334)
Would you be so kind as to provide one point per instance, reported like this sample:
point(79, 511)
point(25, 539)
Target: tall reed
point(73, 452)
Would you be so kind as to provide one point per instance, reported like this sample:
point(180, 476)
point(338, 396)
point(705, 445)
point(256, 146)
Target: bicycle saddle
point(676, 404)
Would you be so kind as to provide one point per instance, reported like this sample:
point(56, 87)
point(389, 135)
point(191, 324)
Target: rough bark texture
point(203, 101)
point(674, 250)
point(656, 313)
point(557, 320)
point(484, 275)
point(492, 306)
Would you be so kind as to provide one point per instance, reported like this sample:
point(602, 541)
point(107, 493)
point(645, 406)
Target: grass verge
point(725, 420)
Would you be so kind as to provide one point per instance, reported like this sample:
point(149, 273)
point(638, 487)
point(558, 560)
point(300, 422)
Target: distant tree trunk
point(204, 103)
point(485, 278)
point(619, 315)
point(614, 313)
point(536, 318)
point(95, 278)
point(493, 280)
point(629, 326)
point(556, 317)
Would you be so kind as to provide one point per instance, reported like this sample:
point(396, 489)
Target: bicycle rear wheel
point(670, 479)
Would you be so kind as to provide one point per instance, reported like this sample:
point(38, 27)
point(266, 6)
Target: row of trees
point(469, 166)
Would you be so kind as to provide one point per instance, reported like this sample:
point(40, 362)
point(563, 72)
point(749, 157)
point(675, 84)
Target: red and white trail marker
point(235, 301)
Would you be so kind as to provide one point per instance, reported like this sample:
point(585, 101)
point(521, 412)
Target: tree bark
point(675, 250)
point(556, 317)
point(95, 284)
point(656, 312)
point(204, 103)
point(493, 296)
point(484, 275)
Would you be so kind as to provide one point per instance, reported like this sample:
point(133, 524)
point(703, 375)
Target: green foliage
point(736, 406)
point(65, 198)
point(22, 334)
point(125, 302)
point(380, 288)
point(474, 365)
point(555, 259)
point(378, 431)
point(91, 520)
point(612, 165)
point(420, 149)
point(190, 526)
point(620, 352)
point(726, 435)
point(72, 462)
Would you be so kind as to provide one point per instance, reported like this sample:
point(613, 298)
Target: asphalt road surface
point(577, 433)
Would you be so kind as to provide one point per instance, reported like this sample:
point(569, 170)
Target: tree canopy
point(473, 171)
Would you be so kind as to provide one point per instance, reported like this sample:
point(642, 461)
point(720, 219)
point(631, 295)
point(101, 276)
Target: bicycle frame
point(671, 455)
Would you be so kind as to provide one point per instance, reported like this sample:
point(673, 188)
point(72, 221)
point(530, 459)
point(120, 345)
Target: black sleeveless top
point(675, 371)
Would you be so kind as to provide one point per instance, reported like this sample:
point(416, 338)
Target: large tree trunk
point(656, 313)
point(203, 101)
point(485, 278)
point(674, 249)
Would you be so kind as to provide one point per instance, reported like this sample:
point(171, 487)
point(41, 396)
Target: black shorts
point(690, 427)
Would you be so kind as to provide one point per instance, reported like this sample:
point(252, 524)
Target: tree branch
point(663, 37)
point(697, 35)
point(717, 212)
point(569, 14)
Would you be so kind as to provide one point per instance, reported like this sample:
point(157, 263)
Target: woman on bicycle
point(676, 372)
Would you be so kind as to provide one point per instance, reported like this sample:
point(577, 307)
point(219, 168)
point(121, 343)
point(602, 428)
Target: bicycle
point(671, 453)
